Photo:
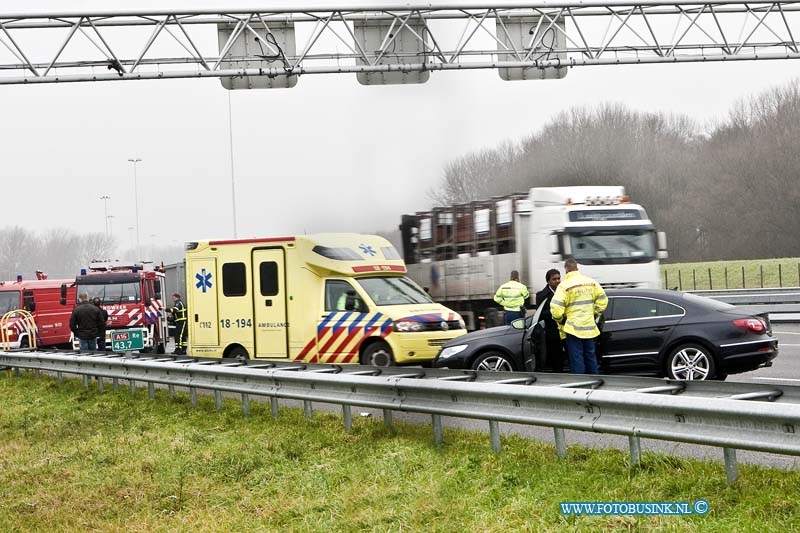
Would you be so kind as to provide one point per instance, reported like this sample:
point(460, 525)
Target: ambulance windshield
point(9, 301)
point(112, 293)
point(394, 291)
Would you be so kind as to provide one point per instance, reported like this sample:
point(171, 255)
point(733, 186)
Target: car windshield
point(112, 293)
point(394, 291)
point(613, 246)
point(9, 301)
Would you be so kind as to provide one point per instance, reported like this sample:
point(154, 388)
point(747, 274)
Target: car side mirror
point(518, 323)
point(63, 294)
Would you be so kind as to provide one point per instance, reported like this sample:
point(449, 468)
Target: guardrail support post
point(193, 396)
point(387, 420)
point(437, 430)
point(731, 468)
point(133, 387)
point(561, 442)
point(171, 389)
point(60, 377)
point(494, 432)
point(36, 373)
point(245, 404)
point(16, 372)
point(218, 398)
point(115, 384)
point(348, 418)
point(85, 379)
point(151, 390)
point(273, 402)
point(307, 409)
point(636, 449)
point(101, 385)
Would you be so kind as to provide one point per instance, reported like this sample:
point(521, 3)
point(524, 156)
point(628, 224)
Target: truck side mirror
point(63, 294)
point(555, 244)
point(662, 245)
point(565, 246)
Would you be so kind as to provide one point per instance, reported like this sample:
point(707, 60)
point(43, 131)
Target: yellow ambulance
point(327, 298)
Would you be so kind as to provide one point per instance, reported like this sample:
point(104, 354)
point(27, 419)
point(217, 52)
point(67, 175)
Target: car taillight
point(753, 324)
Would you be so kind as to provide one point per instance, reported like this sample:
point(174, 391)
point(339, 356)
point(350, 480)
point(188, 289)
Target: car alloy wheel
point(691, 362)
point(493, 362)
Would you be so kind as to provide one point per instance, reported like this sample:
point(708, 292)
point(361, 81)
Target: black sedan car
point(643, 332)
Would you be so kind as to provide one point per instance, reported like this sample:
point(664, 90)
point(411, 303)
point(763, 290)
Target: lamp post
point(105, 199)
point(233, 181)
point(130, 235)
point(136, 204)
point(108, 223)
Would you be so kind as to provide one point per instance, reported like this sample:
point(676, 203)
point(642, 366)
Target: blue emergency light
point(19, 278)
point(83, 272)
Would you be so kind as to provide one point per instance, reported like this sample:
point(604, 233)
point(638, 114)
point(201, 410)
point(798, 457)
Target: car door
point(635, 332)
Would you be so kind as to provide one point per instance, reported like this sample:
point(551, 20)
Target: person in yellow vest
point(512, 295)
point(577, 302)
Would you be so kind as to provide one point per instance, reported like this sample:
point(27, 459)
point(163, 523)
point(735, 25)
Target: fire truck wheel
point(377, 354)
point(239, 353)
point(24, 343)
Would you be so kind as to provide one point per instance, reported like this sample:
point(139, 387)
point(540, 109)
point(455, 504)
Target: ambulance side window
point(336, 295)
point(234, 280)
point(268, 274)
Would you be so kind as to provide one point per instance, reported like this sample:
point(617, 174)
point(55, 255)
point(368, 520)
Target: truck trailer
point(463, 252)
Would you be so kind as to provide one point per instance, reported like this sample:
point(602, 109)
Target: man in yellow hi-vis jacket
point(577, 302)
point(512, 296)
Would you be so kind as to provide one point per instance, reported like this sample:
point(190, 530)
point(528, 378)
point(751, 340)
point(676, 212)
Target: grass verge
point(750, 274)
point(77, 460)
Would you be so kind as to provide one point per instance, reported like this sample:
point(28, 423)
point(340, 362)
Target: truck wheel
point(377, 354)
point(24, 343)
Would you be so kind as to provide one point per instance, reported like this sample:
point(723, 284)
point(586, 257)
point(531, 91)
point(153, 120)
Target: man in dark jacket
point(101, 339)
point(554, 346)
point(86, 323)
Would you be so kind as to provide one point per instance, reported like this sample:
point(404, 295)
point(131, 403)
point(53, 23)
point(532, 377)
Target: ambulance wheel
point(377, 354)
point(239, 353)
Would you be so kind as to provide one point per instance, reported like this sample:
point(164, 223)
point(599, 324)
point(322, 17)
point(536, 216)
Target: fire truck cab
point(49, 301)
point(132, 296)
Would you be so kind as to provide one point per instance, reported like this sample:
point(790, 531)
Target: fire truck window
point(268, 272)
point(234, 279)
point(27, 301)
point(158, 289)
point(9, 301)
point(112, 293)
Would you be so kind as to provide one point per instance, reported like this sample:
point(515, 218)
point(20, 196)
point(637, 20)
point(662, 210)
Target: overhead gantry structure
point(387, 42)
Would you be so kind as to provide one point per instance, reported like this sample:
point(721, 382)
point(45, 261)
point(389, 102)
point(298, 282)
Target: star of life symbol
point(203, 280)
point(367, 250)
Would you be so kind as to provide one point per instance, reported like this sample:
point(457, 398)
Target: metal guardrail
point(729, 415)
point(782, 304)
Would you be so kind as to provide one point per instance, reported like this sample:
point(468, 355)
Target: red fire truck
point(50, 302)
point(132, 296)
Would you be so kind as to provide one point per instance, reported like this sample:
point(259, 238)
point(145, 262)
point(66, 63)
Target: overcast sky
point(327, 155)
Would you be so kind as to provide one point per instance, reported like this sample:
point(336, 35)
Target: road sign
point(126, 340)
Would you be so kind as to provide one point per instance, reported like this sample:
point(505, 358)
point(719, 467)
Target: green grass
point(77, 460)
point(757, 273)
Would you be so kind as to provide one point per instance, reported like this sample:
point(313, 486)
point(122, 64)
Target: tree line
point(61, 253)
point(726, 191)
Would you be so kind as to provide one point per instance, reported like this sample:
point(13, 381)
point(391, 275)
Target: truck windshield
point(112, 293)
point(9, 301)
point(394, 291)
point(613, 246)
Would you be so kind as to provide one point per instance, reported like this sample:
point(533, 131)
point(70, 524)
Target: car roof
point(649, 293)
